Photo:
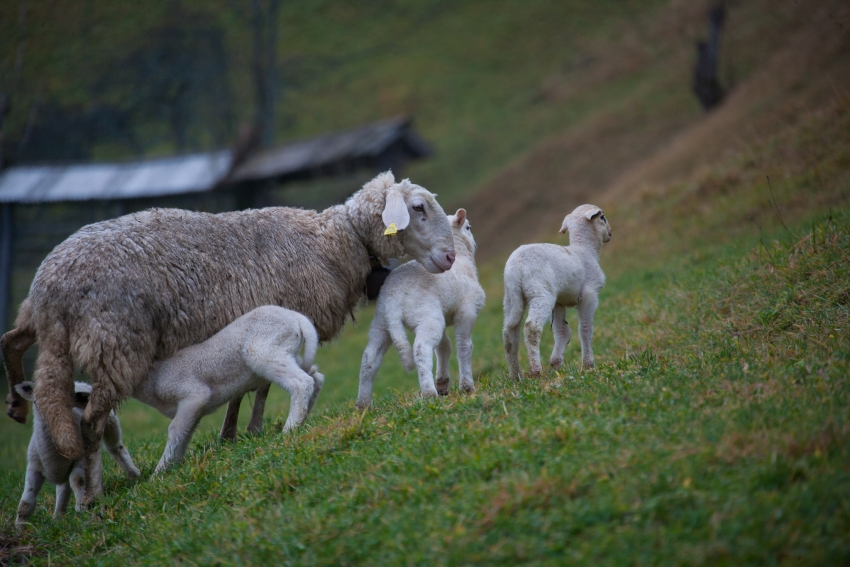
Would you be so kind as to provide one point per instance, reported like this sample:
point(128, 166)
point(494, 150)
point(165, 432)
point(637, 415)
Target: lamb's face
point(462, 231)
point(590, 215)
point(428, 237)
point(602, 227)
point(82, 392)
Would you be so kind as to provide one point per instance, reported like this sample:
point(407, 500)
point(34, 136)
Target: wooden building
point(41, 205)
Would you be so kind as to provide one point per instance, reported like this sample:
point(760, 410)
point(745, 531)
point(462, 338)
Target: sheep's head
point(587, 219)
point(407, 220)
point(462, 231)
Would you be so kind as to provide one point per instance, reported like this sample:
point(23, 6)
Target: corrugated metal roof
point(367, 141)
point(151, 178)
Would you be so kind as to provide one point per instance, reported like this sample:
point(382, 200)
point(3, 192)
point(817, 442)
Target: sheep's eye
point(469, 227)
point(419, 207)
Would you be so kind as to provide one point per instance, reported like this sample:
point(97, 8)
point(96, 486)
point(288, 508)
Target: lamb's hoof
point(535, 373)
point(429, 393)
point(362, 405)
point(467, 388)
point(556, 363)
point(443, 388)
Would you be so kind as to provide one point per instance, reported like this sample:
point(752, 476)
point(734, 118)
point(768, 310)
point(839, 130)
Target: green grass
point(714, 430)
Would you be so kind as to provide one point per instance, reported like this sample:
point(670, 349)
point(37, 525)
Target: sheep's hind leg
point(256, 424)
point(63, 496)
point(538, 313)
point(180, 431)
point(514, 308)
point(463, 338)
point(444, 354)
point(300, 385)
point(318, 382)
point(561, 330)
point(231, 419)
point(379, 342)
point(14, 344)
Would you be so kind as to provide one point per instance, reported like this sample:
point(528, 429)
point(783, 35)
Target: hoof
point(467, 388)
point(556, 363)
point(443, 388)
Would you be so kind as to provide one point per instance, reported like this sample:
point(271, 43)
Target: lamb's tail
point(13, 345)
point(54, 389)
point(395, 327)
point(311, 344)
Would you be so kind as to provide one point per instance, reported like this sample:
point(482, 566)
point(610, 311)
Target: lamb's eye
point(419, 207)
point(469, 227)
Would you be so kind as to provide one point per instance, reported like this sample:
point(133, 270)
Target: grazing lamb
point(427, 303)
point(547, 279)
point(118, 295)
point(258, 348)
point(45, 461)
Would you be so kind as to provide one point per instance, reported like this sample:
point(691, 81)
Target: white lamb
point(426, 303)
point(547, 279)
point(45, 462)
point(258, 348)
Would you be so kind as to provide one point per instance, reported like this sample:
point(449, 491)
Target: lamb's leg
point(92, 428)
point(444, 354)
point(428, 336)
point(256, 423)
point(586, 312)
point(14, 344)
point(561, 330)
point(32, 485)
point(231, 418)
point(514, 308)
point(287, 374)
point(538, 314)
point(379, 342)
point(115, 445)
point(180, 431)
point(463, 338)
point(77, 482)
point(318, 382)
point(63, 495)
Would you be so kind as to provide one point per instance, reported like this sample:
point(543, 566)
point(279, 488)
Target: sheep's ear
point(565, 226)
point(460, 217)
point(395, 210)
point(25, 390)
point(591, 213)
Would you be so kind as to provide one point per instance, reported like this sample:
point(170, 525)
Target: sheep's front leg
point(586, 312)
point(92, 427)
point(444, 354)
point(563, 333)
point(180, 431)
point(428, 336)
point(231, 419)
point(256, 423)
point(379, 342)
point(463, 337)
point(115, 445)
point(538, 314)
point(32, 486)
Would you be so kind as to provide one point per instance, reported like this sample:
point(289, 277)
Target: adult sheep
point(120, 294)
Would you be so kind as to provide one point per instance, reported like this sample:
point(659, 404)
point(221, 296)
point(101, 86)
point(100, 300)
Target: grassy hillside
point(715, 429)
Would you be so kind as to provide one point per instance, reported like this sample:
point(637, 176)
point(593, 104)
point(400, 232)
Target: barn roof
point(205, 171)
point(130, 180)
point(347, 149)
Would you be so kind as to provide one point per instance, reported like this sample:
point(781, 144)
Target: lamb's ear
point(25, 390)
point(460, 217)
point(565, 226)
point(395, 210)
point(591, 213)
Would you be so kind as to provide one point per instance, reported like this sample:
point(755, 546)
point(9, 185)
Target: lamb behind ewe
point(427, 303)
point(45, 462)
point(547, 279)
point(259, 347)
point(119, 294)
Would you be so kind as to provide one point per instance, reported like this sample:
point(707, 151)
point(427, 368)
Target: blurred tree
point(264, 24)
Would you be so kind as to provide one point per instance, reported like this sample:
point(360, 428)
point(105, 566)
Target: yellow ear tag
point(391, 230)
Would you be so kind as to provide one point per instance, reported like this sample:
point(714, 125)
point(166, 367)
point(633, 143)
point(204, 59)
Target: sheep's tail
point(513, 305)
point(395, 327)
point(311, 344)
point(54, 389)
